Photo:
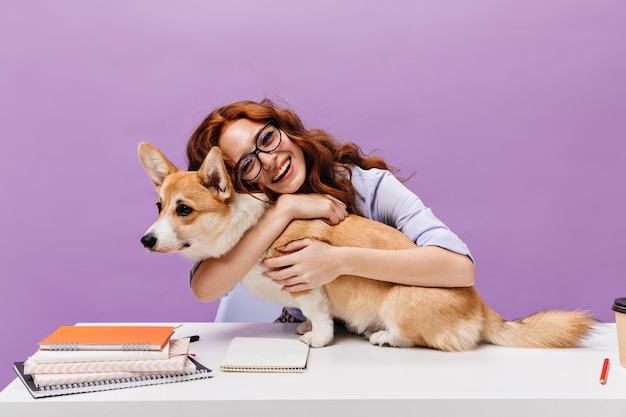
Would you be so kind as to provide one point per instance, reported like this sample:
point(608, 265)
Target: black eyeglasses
point(267, 140)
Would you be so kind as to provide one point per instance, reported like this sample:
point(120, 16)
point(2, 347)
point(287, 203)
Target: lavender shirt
point(382, 197)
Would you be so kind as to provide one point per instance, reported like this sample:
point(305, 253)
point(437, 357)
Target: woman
point(310, 175)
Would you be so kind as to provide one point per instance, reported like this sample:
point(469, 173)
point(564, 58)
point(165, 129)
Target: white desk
point(353, 378)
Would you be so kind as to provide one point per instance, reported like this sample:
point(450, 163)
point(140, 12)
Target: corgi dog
point(201, 216)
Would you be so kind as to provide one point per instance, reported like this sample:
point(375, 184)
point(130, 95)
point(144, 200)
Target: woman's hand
point(300, 268)
point(312, 206)
point(307, 264)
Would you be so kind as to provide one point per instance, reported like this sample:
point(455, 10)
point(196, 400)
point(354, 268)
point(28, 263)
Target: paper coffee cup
point(619, 306)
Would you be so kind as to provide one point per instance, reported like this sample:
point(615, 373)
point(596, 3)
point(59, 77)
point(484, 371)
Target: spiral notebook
point(62, 356)
point(258, 354)
point(200, 372)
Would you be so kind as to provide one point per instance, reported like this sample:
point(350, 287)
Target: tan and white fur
point(202, 216)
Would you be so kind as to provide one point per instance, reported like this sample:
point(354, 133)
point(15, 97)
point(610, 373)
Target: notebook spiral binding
point(177, 377)
point(76, 347)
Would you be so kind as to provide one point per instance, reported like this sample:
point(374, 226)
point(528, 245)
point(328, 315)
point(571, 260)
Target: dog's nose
point(149, 241)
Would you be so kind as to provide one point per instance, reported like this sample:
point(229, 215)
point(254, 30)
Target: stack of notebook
point(76, 359)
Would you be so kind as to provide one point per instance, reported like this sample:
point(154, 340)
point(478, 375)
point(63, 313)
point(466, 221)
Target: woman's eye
point(267, 139)
point(183, 210)
point(247, 164)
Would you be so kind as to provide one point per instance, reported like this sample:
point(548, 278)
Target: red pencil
point(605, 371)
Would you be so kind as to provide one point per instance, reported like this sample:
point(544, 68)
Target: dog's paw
point(316, 339)
point(380, 338)
point(385, 338)
point(305, 327)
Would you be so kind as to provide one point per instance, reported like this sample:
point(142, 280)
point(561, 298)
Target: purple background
point(510, 114)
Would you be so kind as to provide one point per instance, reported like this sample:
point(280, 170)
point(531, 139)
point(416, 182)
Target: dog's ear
point(213, 173)
point(155, 163)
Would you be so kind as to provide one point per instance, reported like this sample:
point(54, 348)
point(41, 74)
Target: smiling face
point(283, 170)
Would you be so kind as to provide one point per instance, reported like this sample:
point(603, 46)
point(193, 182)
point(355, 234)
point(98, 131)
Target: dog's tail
point(545, 329)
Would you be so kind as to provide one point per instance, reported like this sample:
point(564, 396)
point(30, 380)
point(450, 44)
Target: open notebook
point(258, 354)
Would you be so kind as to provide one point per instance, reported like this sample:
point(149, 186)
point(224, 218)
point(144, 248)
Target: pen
point(192, 339)
point(605, 371)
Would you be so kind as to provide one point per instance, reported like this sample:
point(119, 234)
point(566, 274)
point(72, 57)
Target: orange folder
point(142, 337)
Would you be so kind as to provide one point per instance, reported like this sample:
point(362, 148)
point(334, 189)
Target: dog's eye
point(183, 210)
point(159, 206)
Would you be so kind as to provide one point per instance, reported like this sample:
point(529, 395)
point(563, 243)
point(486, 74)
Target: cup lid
point(619, 305)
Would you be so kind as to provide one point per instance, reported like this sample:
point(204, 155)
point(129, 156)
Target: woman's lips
point(284, 168)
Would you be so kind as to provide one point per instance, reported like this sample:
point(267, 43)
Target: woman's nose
point(267, 159)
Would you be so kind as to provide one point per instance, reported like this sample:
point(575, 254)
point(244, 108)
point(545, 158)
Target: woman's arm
point(426, 266)
point(311, 263)
point(215, 277)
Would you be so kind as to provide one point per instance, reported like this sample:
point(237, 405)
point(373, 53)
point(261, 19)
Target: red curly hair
point(327, 160)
